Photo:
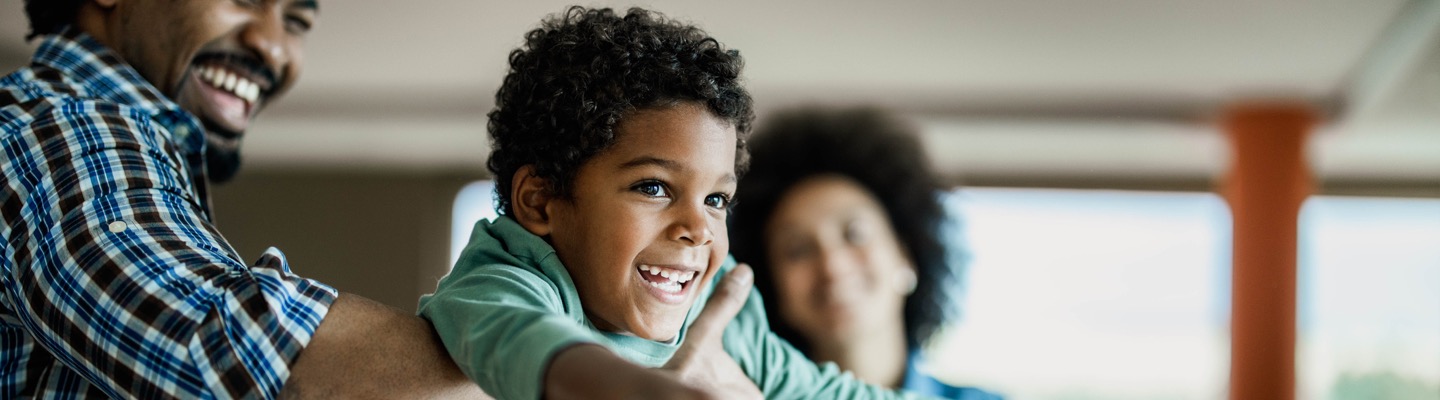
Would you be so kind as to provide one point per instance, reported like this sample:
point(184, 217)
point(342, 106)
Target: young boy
point(617, 141)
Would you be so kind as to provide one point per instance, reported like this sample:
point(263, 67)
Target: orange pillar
point(1268, 181)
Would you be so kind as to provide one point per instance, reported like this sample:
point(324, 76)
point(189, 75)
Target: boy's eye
point(717, 201)
point(652, 189)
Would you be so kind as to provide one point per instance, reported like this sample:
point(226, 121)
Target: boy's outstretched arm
point(700, 369)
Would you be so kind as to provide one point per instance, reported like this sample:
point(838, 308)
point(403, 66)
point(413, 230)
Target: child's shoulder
point(503, 258)
point(503, 241)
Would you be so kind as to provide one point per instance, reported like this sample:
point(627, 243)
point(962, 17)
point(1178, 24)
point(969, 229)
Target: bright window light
point(476, 201)
point(1091, 295)
point(1369, 290)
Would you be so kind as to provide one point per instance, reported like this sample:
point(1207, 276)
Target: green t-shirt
point(509, 306)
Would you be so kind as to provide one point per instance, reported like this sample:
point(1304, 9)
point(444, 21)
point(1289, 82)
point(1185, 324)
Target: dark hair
point(881, 154)
point(583, 71)
point(49, 16)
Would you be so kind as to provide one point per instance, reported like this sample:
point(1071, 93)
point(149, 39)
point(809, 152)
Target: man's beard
point(222, 158)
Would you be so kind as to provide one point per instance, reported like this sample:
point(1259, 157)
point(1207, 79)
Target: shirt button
point(117, 226)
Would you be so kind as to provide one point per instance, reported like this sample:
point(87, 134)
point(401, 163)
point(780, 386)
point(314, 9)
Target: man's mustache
point(258, 71)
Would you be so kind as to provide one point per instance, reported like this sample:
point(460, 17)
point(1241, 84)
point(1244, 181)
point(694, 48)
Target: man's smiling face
point(221, 60)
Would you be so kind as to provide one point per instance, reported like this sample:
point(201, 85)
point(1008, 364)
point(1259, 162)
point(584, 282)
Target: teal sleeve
point(502, 325)
point(782, 372)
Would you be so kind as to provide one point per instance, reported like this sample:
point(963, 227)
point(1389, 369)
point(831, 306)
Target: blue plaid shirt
point(113, 280)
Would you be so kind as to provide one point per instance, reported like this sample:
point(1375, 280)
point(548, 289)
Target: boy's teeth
point(671, 287)
point(676, 277)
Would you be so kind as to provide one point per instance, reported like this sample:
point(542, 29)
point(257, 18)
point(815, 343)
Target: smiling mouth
point(668, 280)
point(238, 75)
point(226, 90)
point(236, 83)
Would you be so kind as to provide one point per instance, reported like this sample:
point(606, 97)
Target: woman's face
point(838, 269)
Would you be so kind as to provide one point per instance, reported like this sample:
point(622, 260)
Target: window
point(476, 201)
point(1091, 294)
point(1087, 294)
point(1369, 309)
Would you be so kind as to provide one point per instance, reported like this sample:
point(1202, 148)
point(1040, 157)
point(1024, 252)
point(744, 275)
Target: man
point(115, 283)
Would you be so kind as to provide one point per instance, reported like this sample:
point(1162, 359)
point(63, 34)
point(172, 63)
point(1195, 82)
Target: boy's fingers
point(727, 300)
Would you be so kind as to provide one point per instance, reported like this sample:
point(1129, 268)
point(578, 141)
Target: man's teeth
point(230, 82)
point(674, 277)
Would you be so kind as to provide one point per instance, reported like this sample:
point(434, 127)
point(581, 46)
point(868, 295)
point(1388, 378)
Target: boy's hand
point(702, 361)
point(699, 370)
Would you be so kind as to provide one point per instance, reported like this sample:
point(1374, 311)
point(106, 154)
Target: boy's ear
point(530, 197)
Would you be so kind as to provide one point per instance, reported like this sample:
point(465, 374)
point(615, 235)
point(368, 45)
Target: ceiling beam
point(1394, 60)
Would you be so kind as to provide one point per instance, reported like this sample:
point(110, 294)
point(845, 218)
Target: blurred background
point(1080, 137)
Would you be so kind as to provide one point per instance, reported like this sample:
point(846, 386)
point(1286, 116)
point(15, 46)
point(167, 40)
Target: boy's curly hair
point(583, 71)
point(881, 154)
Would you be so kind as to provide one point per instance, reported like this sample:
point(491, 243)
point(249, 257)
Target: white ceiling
point(1093, 89)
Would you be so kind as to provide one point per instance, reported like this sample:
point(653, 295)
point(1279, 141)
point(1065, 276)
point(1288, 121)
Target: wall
point(382, 236)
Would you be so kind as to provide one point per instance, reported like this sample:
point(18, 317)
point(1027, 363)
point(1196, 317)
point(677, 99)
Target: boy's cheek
point(717, 258)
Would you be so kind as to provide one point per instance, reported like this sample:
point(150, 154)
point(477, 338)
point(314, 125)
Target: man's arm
point(115, 272)
point(363, 349)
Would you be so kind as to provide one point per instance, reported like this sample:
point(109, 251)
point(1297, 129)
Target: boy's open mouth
point(670, 282)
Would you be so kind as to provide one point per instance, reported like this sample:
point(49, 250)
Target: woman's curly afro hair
point(881, 154)
point(584, 70)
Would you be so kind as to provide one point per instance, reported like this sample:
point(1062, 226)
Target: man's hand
point(702, 361)
point(699, 370)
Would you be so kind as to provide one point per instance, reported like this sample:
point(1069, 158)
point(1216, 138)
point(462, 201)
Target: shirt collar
point(915, 380)
point(97, 72)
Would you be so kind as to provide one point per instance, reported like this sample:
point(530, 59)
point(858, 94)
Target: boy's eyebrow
point(665, 164)
point(650, 160)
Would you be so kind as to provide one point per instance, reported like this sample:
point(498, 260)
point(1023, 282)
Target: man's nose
point(265, 35)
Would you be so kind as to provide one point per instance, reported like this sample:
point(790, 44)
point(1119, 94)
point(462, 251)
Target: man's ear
point(530, 198)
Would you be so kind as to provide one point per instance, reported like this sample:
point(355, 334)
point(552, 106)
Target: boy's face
point(645, 227)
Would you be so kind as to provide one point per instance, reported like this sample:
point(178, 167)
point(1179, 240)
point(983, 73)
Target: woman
point(841, 218)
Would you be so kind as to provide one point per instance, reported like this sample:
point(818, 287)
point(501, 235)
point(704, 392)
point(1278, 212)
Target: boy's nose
point(692, 227)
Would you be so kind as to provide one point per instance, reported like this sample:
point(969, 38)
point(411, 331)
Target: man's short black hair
point(884, 156)
point(583, 71)
point(50, 16)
